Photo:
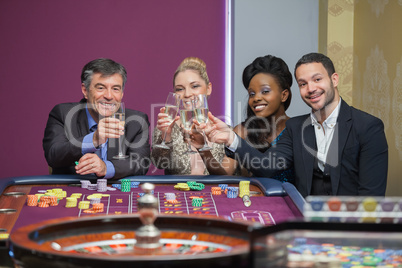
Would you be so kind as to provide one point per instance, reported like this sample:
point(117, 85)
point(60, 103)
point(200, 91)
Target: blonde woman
point(190, 79)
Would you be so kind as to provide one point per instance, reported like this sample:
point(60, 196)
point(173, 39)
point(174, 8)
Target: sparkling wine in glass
point(201, 115)
point(121, 115)
point(187, 115)
point(171, 109)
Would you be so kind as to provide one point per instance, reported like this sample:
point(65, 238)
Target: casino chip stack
point(216, 190)
point(197, 202)
point(92, 186)
point(54, 201)
point(232, 192)
point(98, 207)
point(223, 187)
point(85, 183)
point(32, 200)
point(44, 201)
point(101, 185)
point(196, 186)
point(125, 185)
point(117, 186)
point(95, 200)
point(182, 187)
point(76, 195)
point(135, 184)
point(190, 185)
point(244, 188)
point(57, 191)
point(71, 202)
point(171, 198)
point(83, 205)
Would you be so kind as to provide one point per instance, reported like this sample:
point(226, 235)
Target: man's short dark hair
point(319, 58)
point(106, 67)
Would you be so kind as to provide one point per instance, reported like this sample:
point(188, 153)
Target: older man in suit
point(81, 137)
point(335, 150)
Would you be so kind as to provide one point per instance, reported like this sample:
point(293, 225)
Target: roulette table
point(216, 233)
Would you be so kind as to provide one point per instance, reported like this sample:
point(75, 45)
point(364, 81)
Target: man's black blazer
point(357, 161)
point(68, 124)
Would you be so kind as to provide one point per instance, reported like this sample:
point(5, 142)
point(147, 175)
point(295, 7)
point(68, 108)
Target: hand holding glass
point(201, 115)
point(171, 108)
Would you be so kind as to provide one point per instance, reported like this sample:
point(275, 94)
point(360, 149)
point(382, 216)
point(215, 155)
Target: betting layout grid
point(119, 203)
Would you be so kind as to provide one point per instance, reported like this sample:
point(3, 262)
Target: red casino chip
point(43, 204)
point(32, 200)
point(97, 207)
point(88, 211)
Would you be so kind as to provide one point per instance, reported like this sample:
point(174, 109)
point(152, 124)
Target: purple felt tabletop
point(266, 210)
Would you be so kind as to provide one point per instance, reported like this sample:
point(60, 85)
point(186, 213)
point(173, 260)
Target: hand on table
point(108, 127)
point(91, 163)
point(165, 125)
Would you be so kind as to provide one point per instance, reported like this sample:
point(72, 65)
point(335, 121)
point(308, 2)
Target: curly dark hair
point(259, 129)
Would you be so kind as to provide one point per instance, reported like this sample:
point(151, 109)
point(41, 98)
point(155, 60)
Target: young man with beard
point(334, 150)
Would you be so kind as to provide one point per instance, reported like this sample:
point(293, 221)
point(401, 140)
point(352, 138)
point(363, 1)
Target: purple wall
point(45, 43)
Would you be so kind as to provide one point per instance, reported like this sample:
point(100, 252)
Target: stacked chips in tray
point(353, 209)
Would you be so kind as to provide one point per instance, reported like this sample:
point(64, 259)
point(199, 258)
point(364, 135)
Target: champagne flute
point(201, 115)
point(187, 115)
point(171, 108)
point(121, 115)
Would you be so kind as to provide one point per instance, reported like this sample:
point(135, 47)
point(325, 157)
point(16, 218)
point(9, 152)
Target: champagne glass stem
point(122, 118)
point(120, 146)
point(189, 149)
point(164, 138)
point(205, 139)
